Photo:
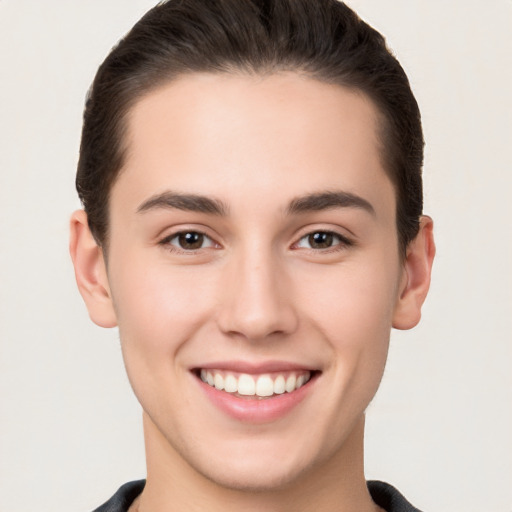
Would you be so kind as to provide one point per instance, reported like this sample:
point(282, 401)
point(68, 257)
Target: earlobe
point(416, 277)
point(90, 271)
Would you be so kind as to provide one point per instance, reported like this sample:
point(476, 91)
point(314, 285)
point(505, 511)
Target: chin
point(252, 465)
point(253, 478)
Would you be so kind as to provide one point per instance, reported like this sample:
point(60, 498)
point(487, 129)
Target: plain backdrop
point(440, 427)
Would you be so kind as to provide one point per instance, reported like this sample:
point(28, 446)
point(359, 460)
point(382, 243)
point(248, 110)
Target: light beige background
point(440, 427)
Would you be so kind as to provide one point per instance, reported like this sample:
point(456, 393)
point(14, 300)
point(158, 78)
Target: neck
point(333, 485)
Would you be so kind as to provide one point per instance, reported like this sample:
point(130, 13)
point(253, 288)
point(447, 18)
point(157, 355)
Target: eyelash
point(343, 241)
point(169, 246)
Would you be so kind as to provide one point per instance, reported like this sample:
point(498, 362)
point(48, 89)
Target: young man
point(250, 172)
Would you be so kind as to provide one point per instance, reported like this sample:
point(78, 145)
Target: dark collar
point(384, 495)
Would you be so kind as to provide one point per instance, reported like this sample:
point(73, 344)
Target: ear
point(90, 271)
point(416, 277)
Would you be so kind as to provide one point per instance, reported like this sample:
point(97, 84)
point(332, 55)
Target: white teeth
point(290, 383)
point(265, 386)
point(279, 385)
point(218, 381)
point(231, 384)
point(248, 385)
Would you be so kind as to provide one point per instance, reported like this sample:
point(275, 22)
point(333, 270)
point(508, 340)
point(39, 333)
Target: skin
point(257, 289)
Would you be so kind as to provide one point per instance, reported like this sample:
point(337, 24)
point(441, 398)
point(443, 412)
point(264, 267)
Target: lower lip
point(253, 410)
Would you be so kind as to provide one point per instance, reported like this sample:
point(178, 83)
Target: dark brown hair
point(322, 39)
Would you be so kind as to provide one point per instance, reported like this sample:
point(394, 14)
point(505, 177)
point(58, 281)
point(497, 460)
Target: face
point(254, 272)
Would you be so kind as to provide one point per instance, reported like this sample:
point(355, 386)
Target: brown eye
point(190, 240)
point(320, 240)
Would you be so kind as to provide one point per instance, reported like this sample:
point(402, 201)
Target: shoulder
point(387, 497)
point(123, 498)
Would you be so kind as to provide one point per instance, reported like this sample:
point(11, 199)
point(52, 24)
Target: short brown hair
point(322, 39)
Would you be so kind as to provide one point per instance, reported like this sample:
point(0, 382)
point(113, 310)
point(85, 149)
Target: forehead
point(223, 134)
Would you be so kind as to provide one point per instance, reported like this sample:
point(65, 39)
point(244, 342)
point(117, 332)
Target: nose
point(257, 299)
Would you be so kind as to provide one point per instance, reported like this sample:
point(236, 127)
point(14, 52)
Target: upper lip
point(254, 367)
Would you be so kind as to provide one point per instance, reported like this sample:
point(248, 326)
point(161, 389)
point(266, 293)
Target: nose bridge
point(257, 303)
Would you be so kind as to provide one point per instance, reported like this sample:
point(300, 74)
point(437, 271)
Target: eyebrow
point(186, 202)
point(327, 200)
point(311, 202)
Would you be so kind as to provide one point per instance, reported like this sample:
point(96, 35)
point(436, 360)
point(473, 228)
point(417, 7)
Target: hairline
point(382, 123)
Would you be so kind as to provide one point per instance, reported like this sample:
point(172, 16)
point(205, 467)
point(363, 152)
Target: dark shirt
point(382, 494)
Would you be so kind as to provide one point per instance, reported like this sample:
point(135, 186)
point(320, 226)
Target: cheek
point(353, 302)
point(159, 307)
point(357, 326)
point(353, 309)
point(159, 311)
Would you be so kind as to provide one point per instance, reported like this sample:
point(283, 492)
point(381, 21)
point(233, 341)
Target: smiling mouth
point(263, 386)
